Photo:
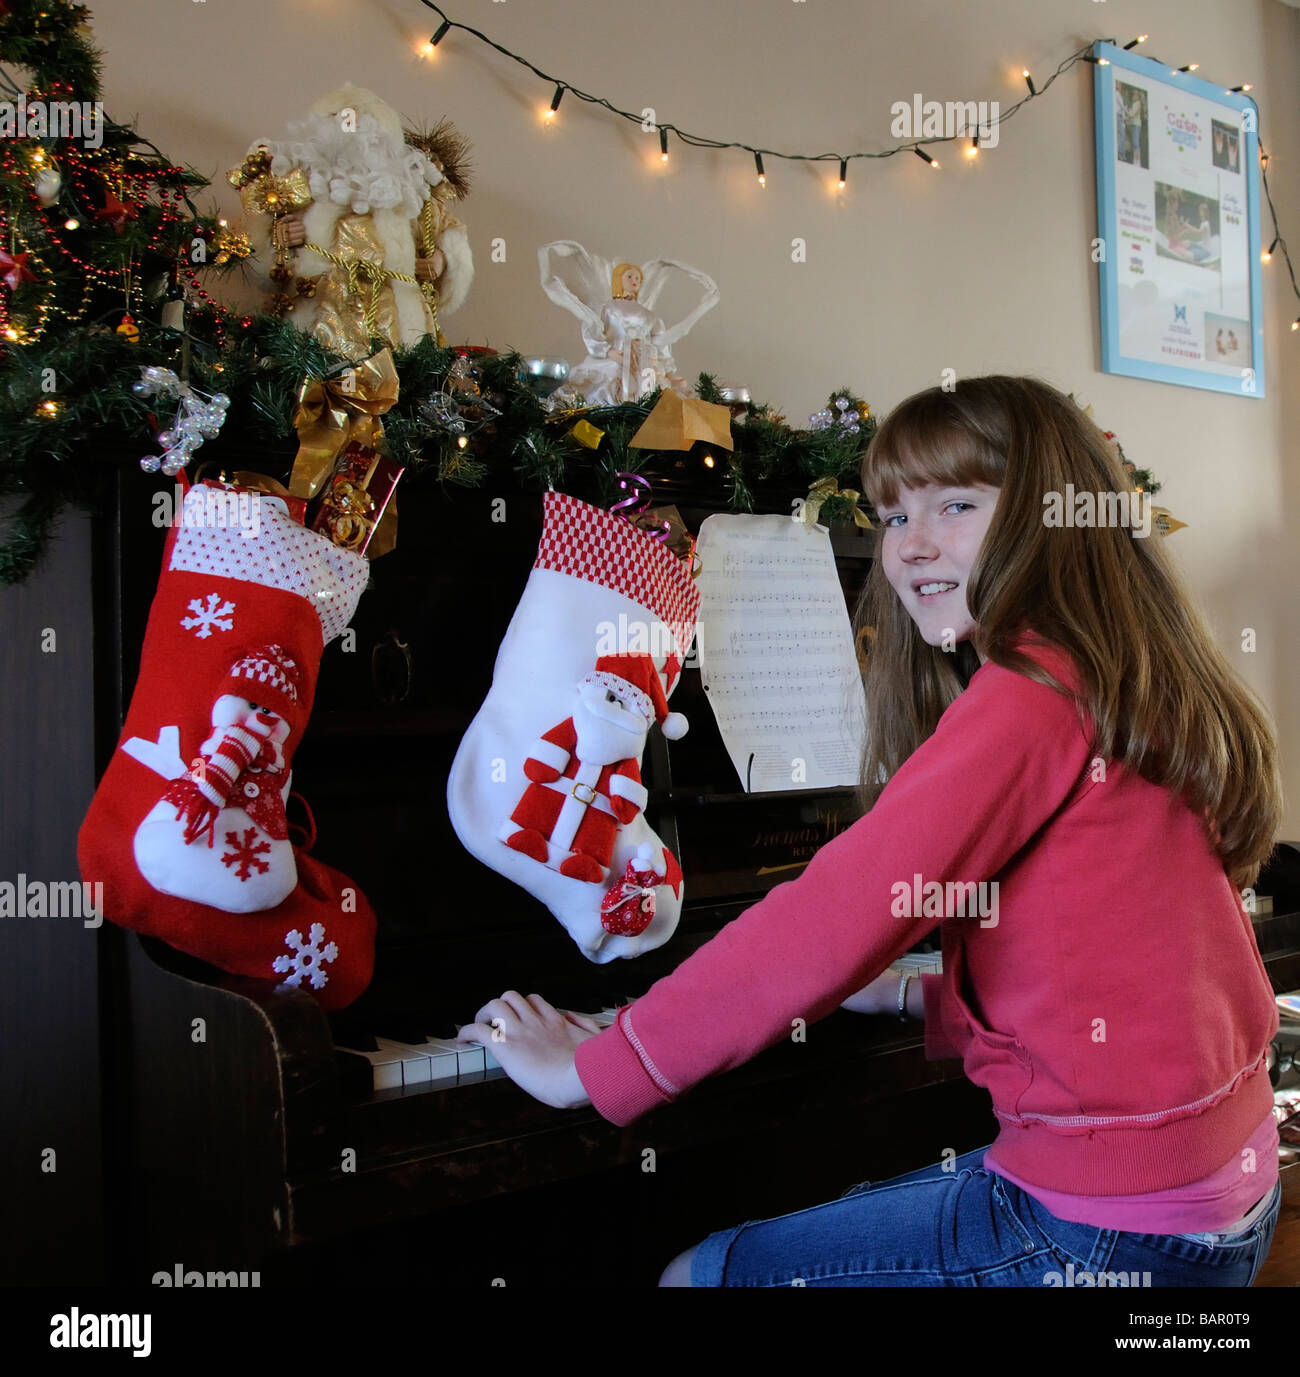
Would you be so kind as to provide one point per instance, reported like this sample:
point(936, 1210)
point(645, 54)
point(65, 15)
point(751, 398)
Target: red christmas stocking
point(546, 785)
point(187, 830)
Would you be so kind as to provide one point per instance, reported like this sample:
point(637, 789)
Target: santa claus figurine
point(586, 771)
point(366, 208)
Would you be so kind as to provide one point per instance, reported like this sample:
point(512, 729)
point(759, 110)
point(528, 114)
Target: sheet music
point(776, 653)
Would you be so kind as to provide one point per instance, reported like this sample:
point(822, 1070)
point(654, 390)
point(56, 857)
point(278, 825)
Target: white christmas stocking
point(546, 786)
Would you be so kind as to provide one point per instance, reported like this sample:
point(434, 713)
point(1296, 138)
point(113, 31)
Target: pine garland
point(98, 423)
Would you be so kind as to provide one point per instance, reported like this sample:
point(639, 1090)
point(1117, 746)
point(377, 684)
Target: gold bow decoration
point(333, 412)
point(268, 195)
point(825, 488)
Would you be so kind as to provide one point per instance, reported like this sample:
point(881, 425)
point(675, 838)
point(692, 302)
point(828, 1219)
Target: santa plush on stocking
point(586, 772)
point(547, 791)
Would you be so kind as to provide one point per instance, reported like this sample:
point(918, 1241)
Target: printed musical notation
point(738, 562)
point(760, 642)
point(776, 653)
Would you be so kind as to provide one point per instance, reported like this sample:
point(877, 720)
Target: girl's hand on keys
point(534, 1044)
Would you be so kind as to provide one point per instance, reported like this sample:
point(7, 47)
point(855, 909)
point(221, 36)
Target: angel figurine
point(629, 349)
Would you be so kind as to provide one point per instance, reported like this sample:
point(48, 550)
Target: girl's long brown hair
point(1160, 694)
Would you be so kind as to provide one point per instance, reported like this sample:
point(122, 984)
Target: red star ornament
point(116, 212)
point(14, 269)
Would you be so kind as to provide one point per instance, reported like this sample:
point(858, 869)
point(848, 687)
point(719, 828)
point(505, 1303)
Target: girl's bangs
point(911, 451)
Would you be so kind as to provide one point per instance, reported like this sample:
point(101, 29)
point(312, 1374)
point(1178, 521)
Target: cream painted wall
point(981, 267)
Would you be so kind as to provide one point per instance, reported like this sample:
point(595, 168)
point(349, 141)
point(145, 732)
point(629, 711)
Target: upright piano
point(266, 1148)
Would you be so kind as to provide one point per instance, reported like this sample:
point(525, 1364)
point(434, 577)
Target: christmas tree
point(99, 245)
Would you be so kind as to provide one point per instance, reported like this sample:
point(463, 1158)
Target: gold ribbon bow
point(828, 487)
point(332, 412)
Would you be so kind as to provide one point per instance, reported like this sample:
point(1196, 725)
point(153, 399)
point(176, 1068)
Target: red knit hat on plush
point(270, 678)
point(634, 677)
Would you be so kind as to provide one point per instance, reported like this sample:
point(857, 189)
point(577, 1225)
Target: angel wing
point(654, 278)
point(593, 278)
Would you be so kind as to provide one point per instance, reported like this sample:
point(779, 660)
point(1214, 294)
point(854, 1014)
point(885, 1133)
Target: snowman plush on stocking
point(546, 786)
point(187, 831)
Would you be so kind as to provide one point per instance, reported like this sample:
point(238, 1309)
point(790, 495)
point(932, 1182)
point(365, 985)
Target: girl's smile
point(931, 538)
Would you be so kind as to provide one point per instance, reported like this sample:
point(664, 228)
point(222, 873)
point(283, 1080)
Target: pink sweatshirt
point(1107, 991)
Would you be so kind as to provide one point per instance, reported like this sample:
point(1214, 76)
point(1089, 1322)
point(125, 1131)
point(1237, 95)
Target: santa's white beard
point(605, 742)
point(364, 170)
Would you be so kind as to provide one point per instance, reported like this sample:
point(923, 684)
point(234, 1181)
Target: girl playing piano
point(1051, 728)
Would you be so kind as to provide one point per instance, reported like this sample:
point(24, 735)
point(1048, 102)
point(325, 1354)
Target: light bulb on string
point(844, 172)
point(1133, 42)
point(437, 38)
point(555, 102)
point(926, 158)
point(974, 150)
point(1237, 90)
point(1191, 67)
point(758, 167)
point(663, 144)
point(1029, 81)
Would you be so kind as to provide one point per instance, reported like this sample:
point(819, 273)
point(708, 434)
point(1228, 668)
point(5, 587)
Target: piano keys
point(433, 1064)
point(441, 1063)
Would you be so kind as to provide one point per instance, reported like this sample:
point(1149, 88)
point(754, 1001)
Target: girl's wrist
point(572, 1090)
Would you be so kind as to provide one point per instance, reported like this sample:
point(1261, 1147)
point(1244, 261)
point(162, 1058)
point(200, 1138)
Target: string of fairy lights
point(920, 147)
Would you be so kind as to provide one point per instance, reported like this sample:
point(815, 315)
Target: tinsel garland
point(66, 453)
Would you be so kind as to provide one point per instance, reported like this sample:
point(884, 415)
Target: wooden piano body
point(257, 1146)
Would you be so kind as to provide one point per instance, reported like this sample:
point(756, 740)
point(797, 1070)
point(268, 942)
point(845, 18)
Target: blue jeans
point(970, 1227)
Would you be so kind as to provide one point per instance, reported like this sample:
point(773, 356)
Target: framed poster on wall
point(1178, 221)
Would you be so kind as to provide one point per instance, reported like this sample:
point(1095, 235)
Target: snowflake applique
point(215, 612)
point(308, 958)
point(246, 854)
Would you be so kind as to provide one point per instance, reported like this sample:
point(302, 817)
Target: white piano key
point(459, 1058)
point(919, 963)
point(385, 1067)
point(417, 1069)
point(442, 1054)
point(473, 1061)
